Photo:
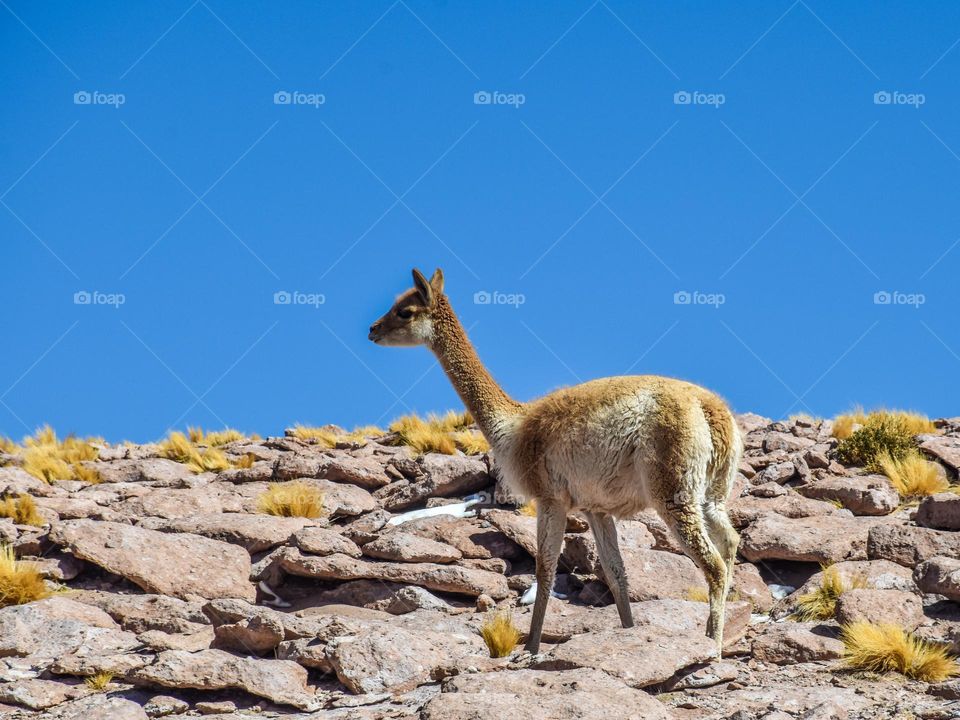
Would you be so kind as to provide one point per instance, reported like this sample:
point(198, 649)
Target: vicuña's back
point(608, 448)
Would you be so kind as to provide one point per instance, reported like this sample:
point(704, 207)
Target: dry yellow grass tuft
point(821, 602)
point(7, 445)
point(178, 447)
point(885, 648)
point(246, 461)
point(329, 438)
point(529, 508)
point(20, 582)
point(218, 438)
point(697, 594)
point(436, 433)
point(50, 459)
point(471, 442)
point(291, 499)
point(500, 634)
point(22, 510)
point(914, 423)
point(913, 476)
point(98, 682)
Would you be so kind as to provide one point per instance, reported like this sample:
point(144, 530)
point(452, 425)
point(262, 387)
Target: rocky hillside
point(174, 594)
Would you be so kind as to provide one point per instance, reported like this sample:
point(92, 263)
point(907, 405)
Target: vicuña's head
point(410, 320)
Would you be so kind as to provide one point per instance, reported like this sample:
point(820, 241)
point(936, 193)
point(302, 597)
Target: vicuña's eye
point(405, 313)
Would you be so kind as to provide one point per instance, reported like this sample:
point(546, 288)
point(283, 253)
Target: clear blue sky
point(783, 189)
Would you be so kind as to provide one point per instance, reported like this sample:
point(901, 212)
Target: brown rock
point(787, 442)
point(908, 545)
point(519, 528)
point(940, 575)
point(748, 508)
point(324, 541)
point(789, 642)
point(861, 495)
point(280, 681)
point(367, 472)
point(254, 532)
point(181, 565)
point(39, 694)
point(749, 586)
point(404, 547)
point(639, 656)
point(940, 511)
point(880, 607)
point(943, 448)
point(443, 578)
point(394, 659)
point(823, 539)
point(98, 707)
point(142, 613)
point(585, 694)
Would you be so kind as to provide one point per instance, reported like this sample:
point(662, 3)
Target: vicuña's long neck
point(484, 398)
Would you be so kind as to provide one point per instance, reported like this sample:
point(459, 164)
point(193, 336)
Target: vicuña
point(608, 448)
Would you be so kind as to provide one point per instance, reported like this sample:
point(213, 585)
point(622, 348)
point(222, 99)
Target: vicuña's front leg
point(605, 533)
point(551, 522)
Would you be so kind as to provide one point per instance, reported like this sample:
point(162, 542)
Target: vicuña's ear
point(423, 287)
point(436, 282)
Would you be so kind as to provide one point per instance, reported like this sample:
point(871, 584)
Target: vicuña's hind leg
point(605, 532)
point(723, 535)
point(551, 522)
point(691, 527)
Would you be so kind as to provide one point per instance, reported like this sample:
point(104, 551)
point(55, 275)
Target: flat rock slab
point(253, 532)
point(442, 578)
point(401, 546)
point(324, 541)
point(48, 629)
point(394, 659)
point(98, 707)
point(519, 528)
point(639, 656)
point(909, 545)
point(580, 694)
point(180, 564)
point(821, 539)
point(39, 694)
point(280, 681)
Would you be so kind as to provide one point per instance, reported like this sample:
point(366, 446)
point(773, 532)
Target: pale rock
point(162, 705)
point(940, 575)
point(280, 681)
point(401, 546)
point(98, 707)
point(790, 642)
point(141, 613)
point(584, 694)
point(443, 578)
point(880, 607)
point(180, 565)
point(519, 528)
point(943, 448)
point(861, 495)
point(909, 545)
point(822, 539)
point(367, 472)
point(639, 656)
point(253, 532)
point(39, 694)
point(940, 511)
point(324, 541)
point(748, 508)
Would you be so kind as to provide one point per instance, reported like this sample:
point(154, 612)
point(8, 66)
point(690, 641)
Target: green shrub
point(881, 435)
